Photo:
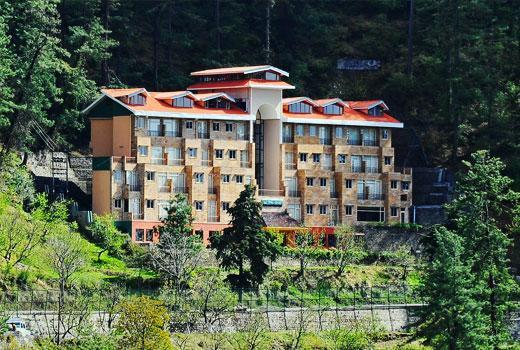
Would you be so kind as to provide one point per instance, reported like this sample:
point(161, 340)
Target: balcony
point(244, 164)
point(175, 161)
point(133, 187)
point(153, 133)
point(202, 135)
point(334, 195)
point(355, 169)
point(180, 190)
point(371, 169)
point(326, 166)
point(325, 141)
point(212, 190)
point(244, 137)
point(290, 166)
point(274, 193)
point(213, 218)
point(370, 196)
point(132, 216)
point(293, 194)
point(175, 133)
point(124, 159)
point(287, 139)
point(354, 142)
point(369, 142)
point(206, 162)
point(160, 161)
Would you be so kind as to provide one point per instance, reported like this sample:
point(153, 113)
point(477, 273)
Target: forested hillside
point(461, 92)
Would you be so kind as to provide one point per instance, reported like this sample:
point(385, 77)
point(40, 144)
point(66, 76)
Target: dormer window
point(183, 102)
point(137, 100)
point(375, 111)
point(300, 107)
point(333, 109)
point(271, 76)
point(217, 103)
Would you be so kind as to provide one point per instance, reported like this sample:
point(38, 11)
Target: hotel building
point(323, 162)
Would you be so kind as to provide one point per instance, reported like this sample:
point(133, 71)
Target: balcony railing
point(294, 194)
point(326, 166)
point(124, 159)
point(369, 142)
point(356, 168)
point(370, 196)
point(325, 141)
point(175, 133)
point(244, 137)
point(265, 192)
point(164, 188)
point(160, 161)
point(212, 190)
point(153, 133)
point(175, 161)
point(287, 139)
point(212, 218)
point(137, 216)
point(290, 166)
point(205, 162)
point(334, 195)
point(244, 164)
point(371, 169)
point(354, 142)
point(405, 171)
point(180, 190)
point(203, 135)
point(133, 187)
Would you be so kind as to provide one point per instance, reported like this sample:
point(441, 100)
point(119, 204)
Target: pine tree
point(245, 243)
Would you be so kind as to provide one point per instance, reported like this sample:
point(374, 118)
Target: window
point(323, 209)
point(271, 76)
point(143, 151)
point(229, 127)
point(150, 175)
point(189, 124)
point(225, 206)
point(310, 181)
point(394, 184)
point(405, 185)
point(137, 100)
point(313, 130)
point(342, 158)
point(371, 214)
point(384, 134)
point(388, 160)
point(192, 152)
point(323, 181)
point(199, 205)
point(333, 109)
point(140, 123)
point(248, 180)
point(316, 157)
point(303, 157)
point(118, 176)
point(226, 178)
point(349, 209)
point(216, 126)
point(217, 103)
point(348, 183)
point(294, 211)
point(182, 102)
point(117, 203)
point(394, 211)
point(375, 111)
point(339, 132)
point(149, 235)
point(239, 179)
point(139, 235)
point(219, 153)
point(300, 107)
point(309, 209)
point(299, 130)
point(199, 177)
point(232, 154)
point(150, 203)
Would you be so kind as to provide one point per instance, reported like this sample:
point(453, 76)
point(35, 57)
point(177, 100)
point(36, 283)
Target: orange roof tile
point(291, 100)
point(366, 104)
point(239, 70)
point(327, 101)
point(246, 83)
point(156, 105)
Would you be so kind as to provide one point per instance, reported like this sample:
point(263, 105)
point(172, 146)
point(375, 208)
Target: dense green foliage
point(469, 285)
point(245, 242)
point(105, 234)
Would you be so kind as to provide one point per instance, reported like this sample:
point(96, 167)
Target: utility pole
point(409, 67)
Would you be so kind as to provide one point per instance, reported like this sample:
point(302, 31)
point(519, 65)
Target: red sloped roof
point(155, 105)
point(366, 104)
point(239, 70)
point(326, 101)
point(235, 84)
point(291, 100)
point(122, 92)
point(348, 114)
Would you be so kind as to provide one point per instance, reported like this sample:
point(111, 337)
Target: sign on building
point(355, 64)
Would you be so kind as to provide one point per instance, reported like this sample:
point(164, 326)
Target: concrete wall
point(101, 137)
point(101, 188)
point(122, 136)
point(272, 158)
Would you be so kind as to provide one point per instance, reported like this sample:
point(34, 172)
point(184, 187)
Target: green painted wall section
point(107, 109)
